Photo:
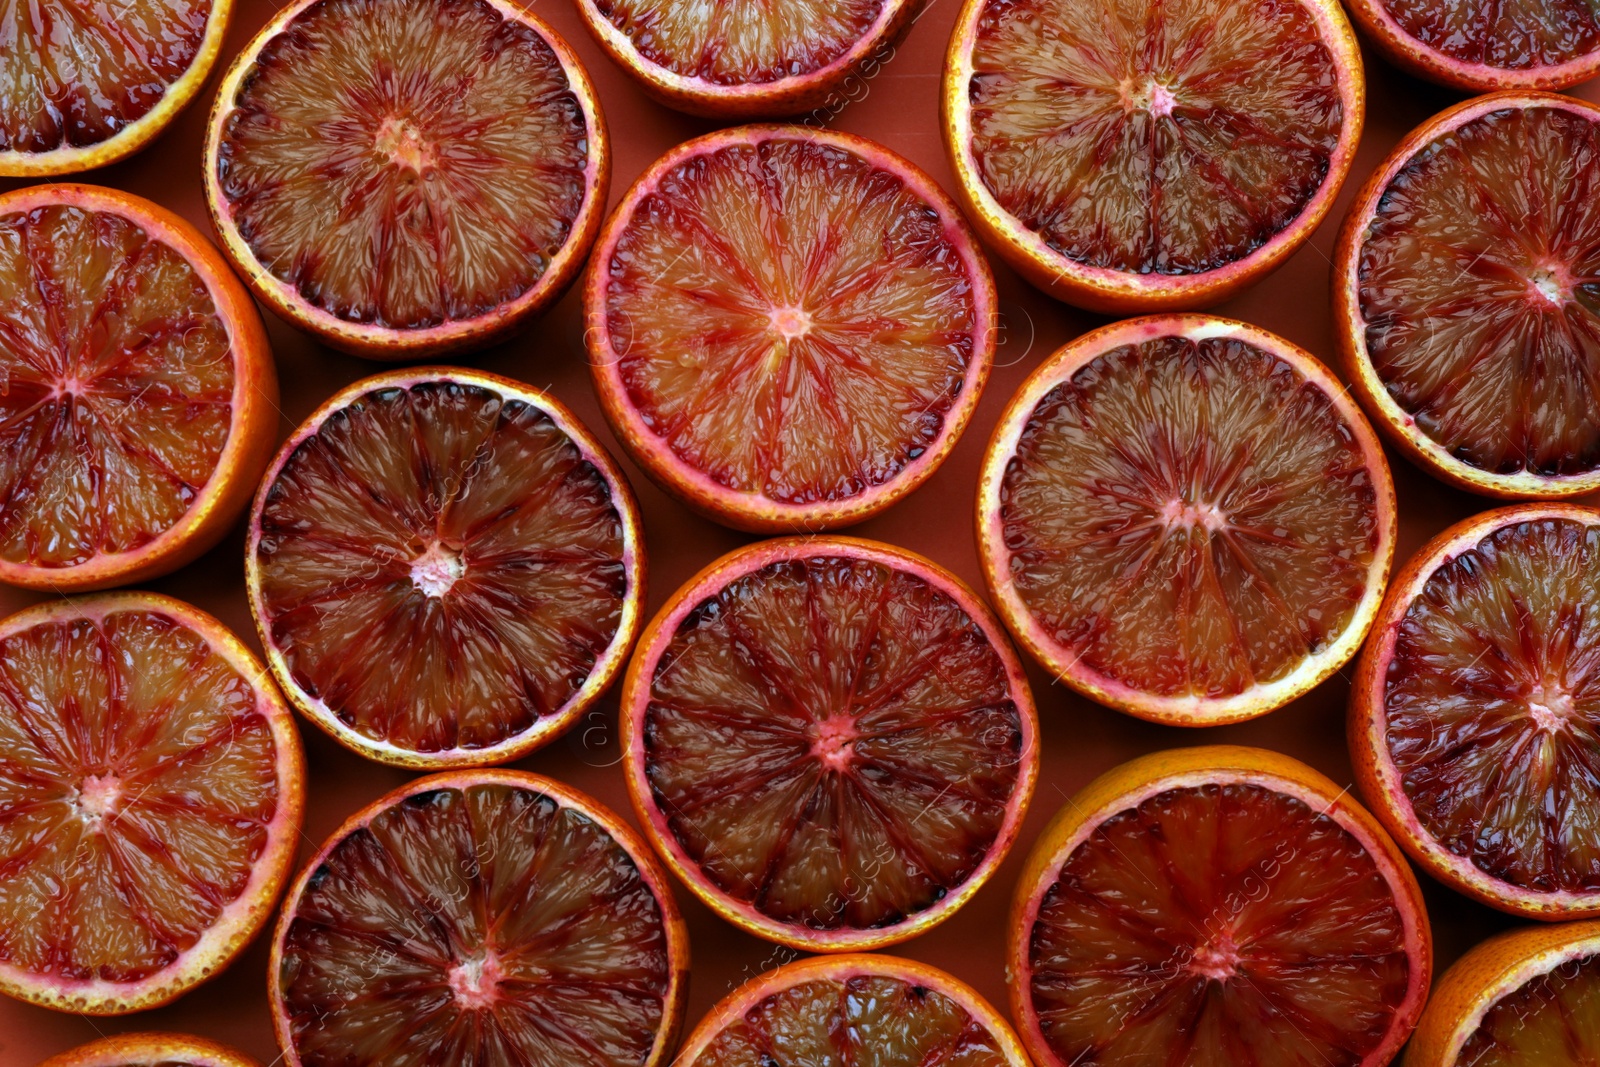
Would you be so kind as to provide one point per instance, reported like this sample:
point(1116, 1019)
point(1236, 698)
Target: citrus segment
point(470, 528)
point(853, 1009)
point(1216, 905)
point(1480, 47)
point(1476, 714)
point(829, 740)
point(140, 399)
point(479, 919)
point(406, 178)
point(1186, 519)
point(1468, 292)
point(152, 793)
point(789, 327)
point(1150, 155)
point(151, 1050)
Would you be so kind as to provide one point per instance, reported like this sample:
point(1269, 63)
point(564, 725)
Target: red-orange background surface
point(1081, 739)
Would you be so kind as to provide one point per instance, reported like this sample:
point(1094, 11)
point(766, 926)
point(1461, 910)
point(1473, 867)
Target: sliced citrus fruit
point(471, 529)
point(1481, 46)
point(87, 84)
point(1216, 905)
point(1526, 998)
point(853, 1009)
point(749, 59)
point(407, 177)
point(1475, 716)
point(1467, 295)
point(1156, 155)
point(789, 328)
point(1186, 518)
point(151, 792)
point(829, 740)
point(151, 1050)
point(480, 919)
point(139, 399)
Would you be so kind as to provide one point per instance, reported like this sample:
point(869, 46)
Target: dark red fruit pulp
point(1502, 34)
point(1552, 1020)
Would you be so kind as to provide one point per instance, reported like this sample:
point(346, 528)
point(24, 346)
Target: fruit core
point(1151, 96)
point(832, 741)
point(475, 981)
point(1218, 958)
point(791, 322)
point(98, 796)
point(1551, 707)
point(437, 570)
point(405, 145)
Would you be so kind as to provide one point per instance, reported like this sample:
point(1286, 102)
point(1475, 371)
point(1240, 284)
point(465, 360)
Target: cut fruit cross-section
point(151, 792)
point(1186, 518)
point(788, 328)
point(405, 178)
point(1483, 45)
point(1216, 905)
point(1466, 292)
point(480, 919)
point(853, 1009)
point(151, 1050)
point(1154, 155)
point(1475, 716)
point(472, 532)
point(829, 740)
point(140, 402)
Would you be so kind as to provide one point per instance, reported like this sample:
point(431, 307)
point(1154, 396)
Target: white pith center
point(790, 322)
point(1551, 707)
point(437, 570)
point(832, 741)
point(1178, 512)
point(1217, 960)
point(403, 145)
point(1549, 283)
point(475, 981)
point(98, 796)
point(1149, 95)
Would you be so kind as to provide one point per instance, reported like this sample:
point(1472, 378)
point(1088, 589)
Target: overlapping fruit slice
point(1475, 718)
point(140, 400)
point(1151, 155)
point(406, 177)
point(829, 740)
point(853, 1009)
point(151, 1050)
point(1467, 295)
point(151, 791)
point(1216, 905)
point(1186, 518)
point(480, 919)
point(1482, 46)
point(788, 328)
point(469, 530)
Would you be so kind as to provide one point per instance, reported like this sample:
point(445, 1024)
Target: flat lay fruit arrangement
point(799, 533)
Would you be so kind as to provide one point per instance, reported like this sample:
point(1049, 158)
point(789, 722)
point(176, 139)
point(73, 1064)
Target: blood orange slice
point(1216, 905)
point(1156, 156)
point(84, 84)
point(151, 1050)
point(1475, 717)
point(406, 177)
point(471, 529)
point(829, 740)
point(746, 59)
point(789, 328)
point(1186, 518)
point(1480, 47)
point(139, 402)
point(1467, 296)
point(853, 1009)
point(1527, 998)
point(480, 919)
point(151, 791)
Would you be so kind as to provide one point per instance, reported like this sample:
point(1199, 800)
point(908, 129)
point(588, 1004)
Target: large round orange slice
point(446, 569)
point(1186, 518)
point(1479, 46)
point(1475, 716)
point(1156, 155)
point(1466, 292)
point(480, 919)
point(406, 177)
point(140, 402)
point(829, 740)
point(1216, 905)
point(151, 1050)
point(788, 327)
point(151, 792)
point(853, 1009)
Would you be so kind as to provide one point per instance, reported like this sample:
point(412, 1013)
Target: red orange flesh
point(1480, 47)
point(151, 1050)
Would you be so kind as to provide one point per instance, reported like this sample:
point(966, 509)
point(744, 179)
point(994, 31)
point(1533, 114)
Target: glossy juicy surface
point(1189, 517)
point(1218, 924)
point(119, 384)
point(1153, 136)
point(405, 163)
point(465, 535)
point(833, 742)
point(790, 319)
point(1502, 34)
point(138, 780)
point(478, 927)
point(864, 1019)
point(1492, 701)
point(1552, 1020)
point(1480, 290)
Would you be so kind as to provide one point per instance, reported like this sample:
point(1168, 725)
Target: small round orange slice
point(151, 1050)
